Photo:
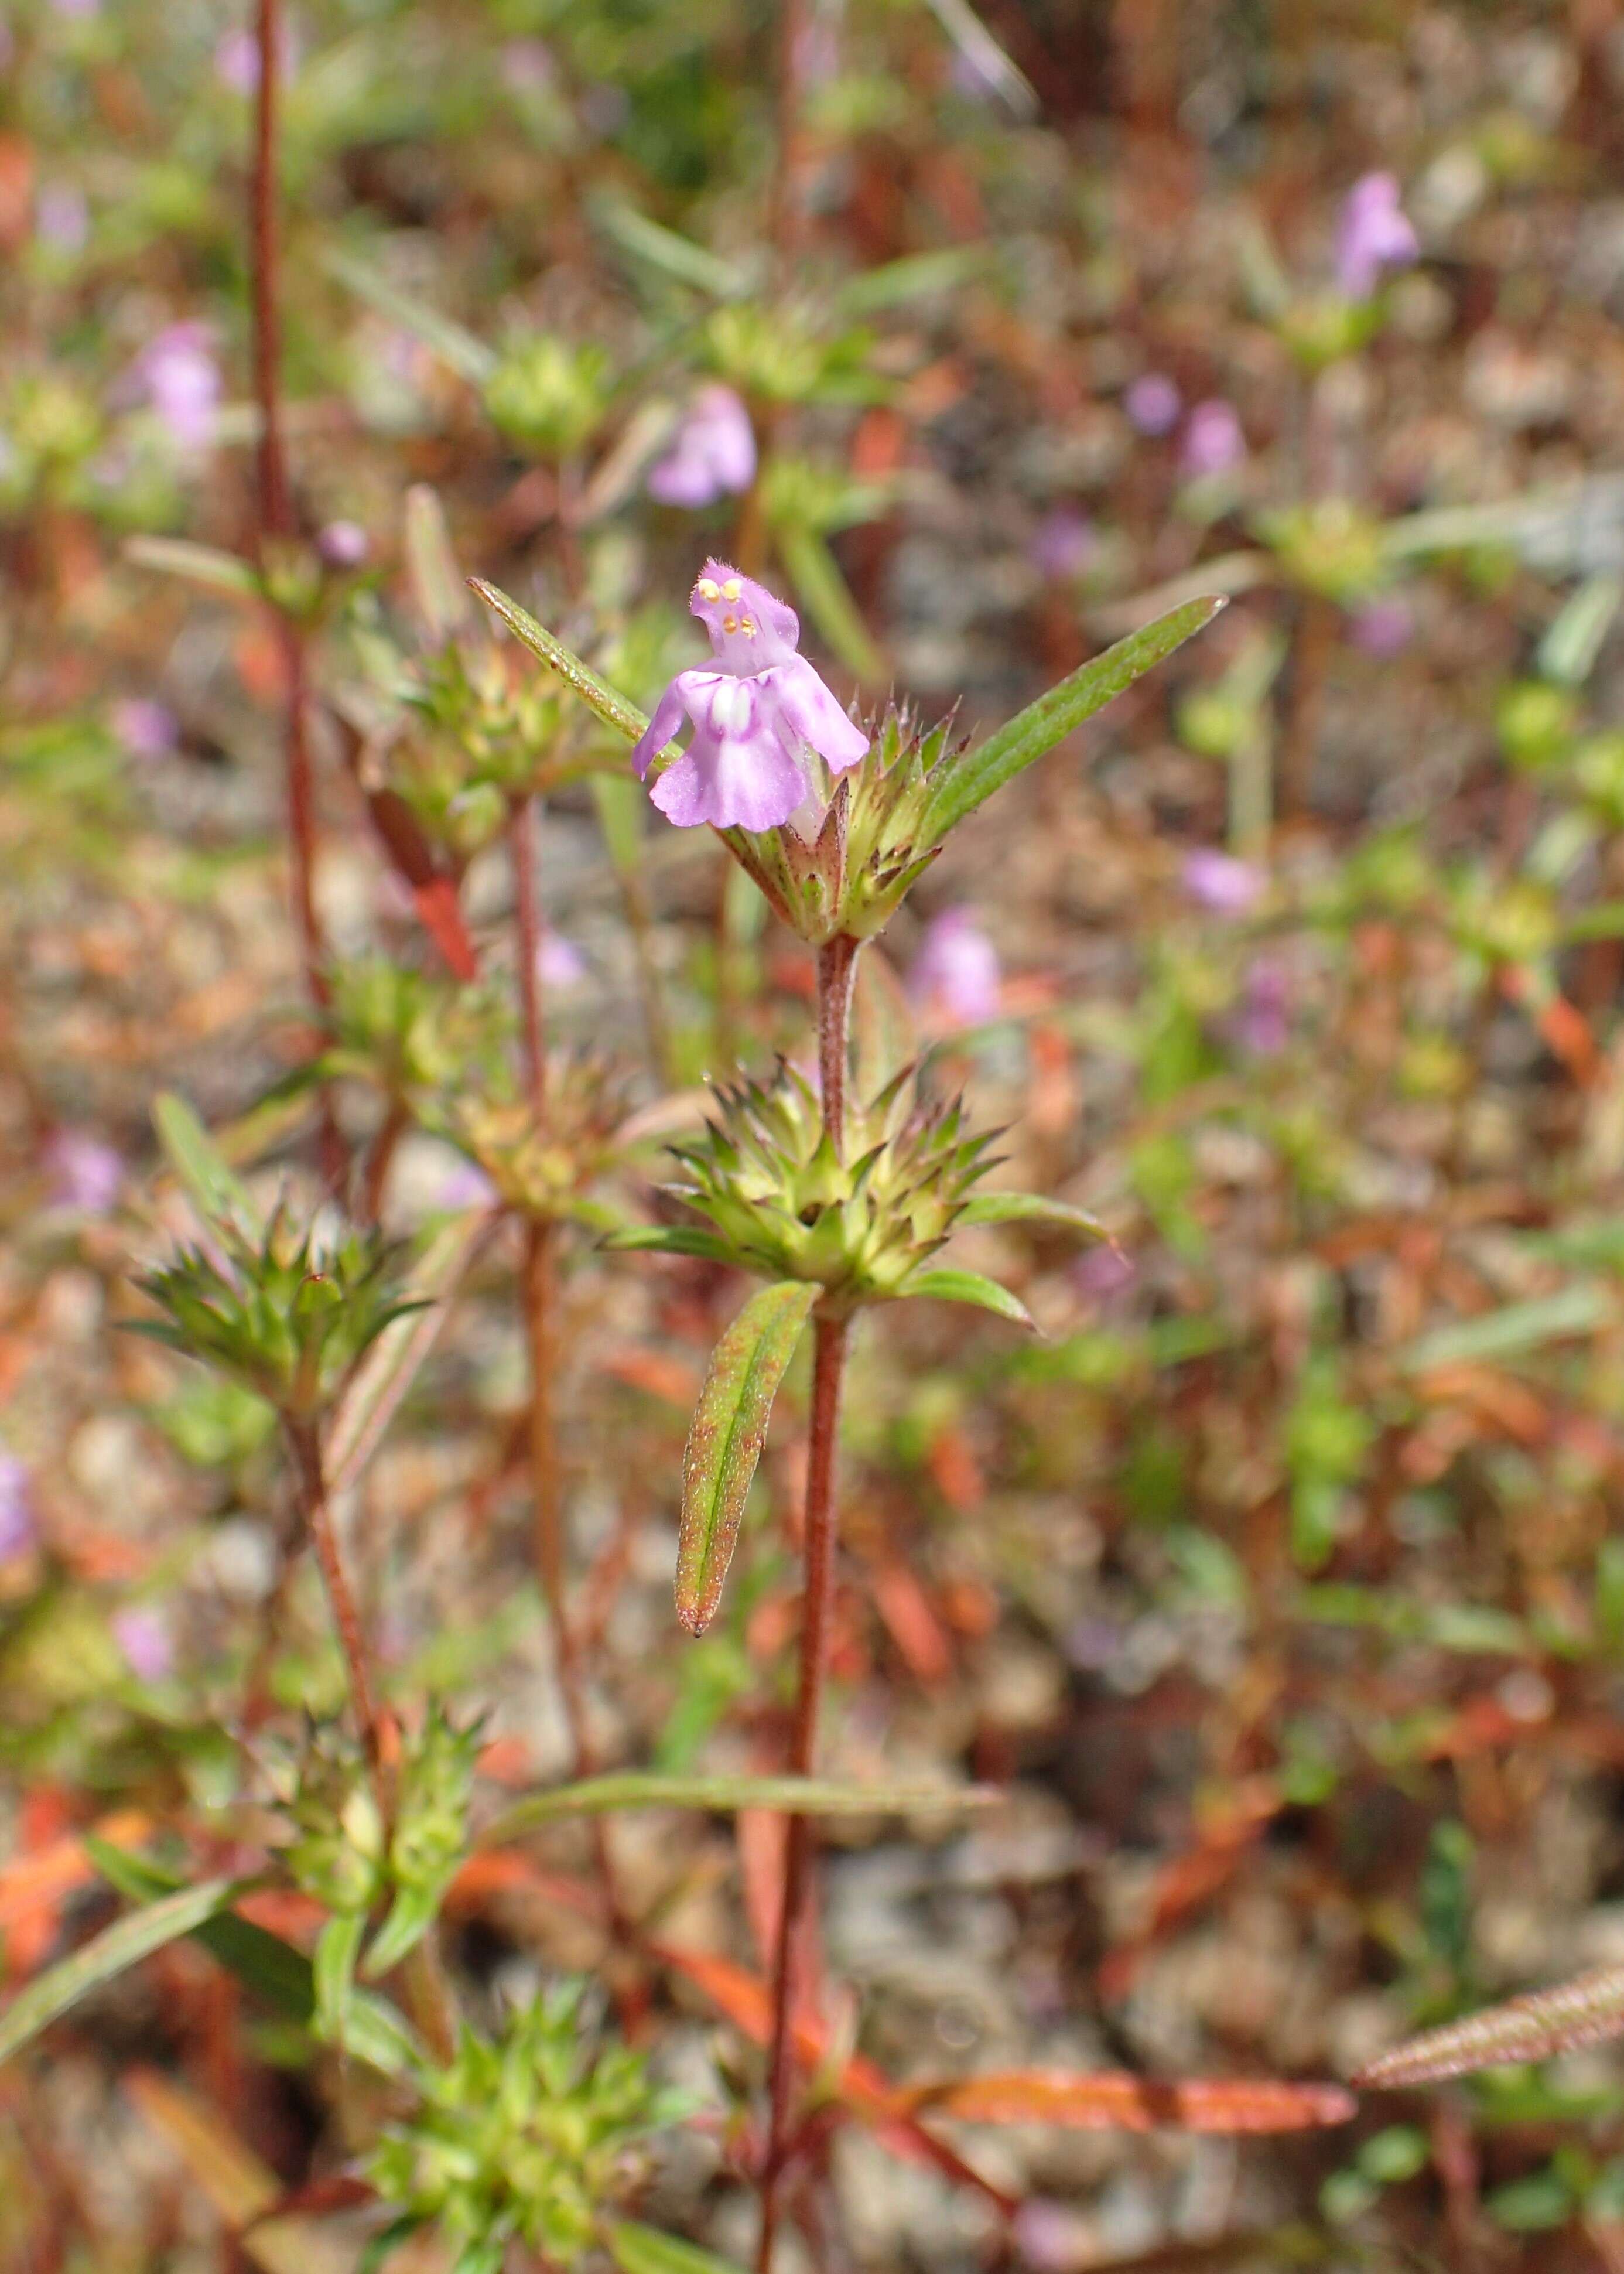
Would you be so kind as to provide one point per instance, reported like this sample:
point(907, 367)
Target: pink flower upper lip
point(755, 715)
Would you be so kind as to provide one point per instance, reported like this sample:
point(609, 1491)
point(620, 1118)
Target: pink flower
point(1263, 1023)
point(1373, 233)
point(144, 728)
point(956, 973)
point(61, 217)
point(236, 57)
point(560, 961)
point(1213, 441)
point(16, 1526)
point(1153, 403)
point(1220, 883)
point(1062, 544)
point(142, 1633)
point(1383, 628)
point(176, 372)
point(342, 544)
point(713, 452)
point(85, 1173)
point(755, 717)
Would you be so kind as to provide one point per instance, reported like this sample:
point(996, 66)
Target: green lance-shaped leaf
point(1583, 2011)
point(670, 1240)
point(1030, 1208)
point(280, 1976)
point(639, 2249)
point(951, 1286)
point(725, 1442)
point(787, 1795)
point(337, 1947)
point(962, 783)
point(198, 1162)
point(456, 346)
point(113, 1952)
point(198, 564)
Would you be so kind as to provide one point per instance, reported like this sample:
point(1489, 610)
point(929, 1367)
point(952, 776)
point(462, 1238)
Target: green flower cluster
point(784, 1203)
point(528, 2136)
point(289, 1315)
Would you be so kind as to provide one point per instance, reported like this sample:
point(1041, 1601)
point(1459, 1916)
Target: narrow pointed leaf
point(1115, 2101)
point(273, 1970)
point(451, 341)
point(962, 783)
point(437, 584)
point(1031, 1208)
point(671, 1239)
point(1585, 2012)
point(197, 1161)
point(790, 1795)
point(664, 249)
point(639, 2249)
point(337, 1947)
point(724, 1441)
point(198, 564)
point(410, 1916)
point(951, 1286)
point(111, 1954)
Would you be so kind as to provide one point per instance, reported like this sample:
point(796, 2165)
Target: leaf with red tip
point(1583, 2011)
point(1113, 2101)
point(724, 1441)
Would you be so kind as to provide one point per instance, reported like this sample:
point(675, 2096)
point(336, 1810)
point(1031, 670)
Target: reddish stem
point(310, 1482)
point(837, 965)
point(275, 527)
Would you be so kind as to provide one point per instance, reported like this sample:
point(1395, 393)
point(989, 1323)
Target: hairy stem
point(309, 1483)
point(274, 506)
point(836, 969)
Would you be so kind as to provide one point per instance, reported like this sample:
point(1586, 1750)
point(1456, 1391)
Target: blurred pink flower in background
point(560, 961)
point(178, 374)
point(84, 1174)
point(1062, 544)
point(236, 57)
point(342, 544)
point(1374, 233)
point(713, 452)
point(18, 1533)
point(142, 1632)
point(956, 975)
point(1212, 441)
point(61, 217)
point(144, 728)
point(1383, 628)
point(1263, 1023)
point(1220, 883)
point(528, 65)
point(1153, 403)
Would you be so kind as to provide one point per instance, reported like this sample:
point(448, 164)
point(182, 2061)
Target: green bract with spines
point(528, 2136)
point(289, 1314)
point(784, 1203)
point(867, 855)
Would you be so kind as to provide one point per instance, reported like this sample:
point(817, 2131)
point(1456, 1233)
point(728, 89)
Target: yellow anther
point(731, 589)
point(708, 589)
point(730, 623)
point(746, 627)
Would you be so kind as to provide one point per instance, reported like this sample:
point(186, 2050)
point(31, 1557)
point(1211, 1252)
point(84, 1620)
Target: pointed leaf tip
point(725, 1440)
point(967, 779)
